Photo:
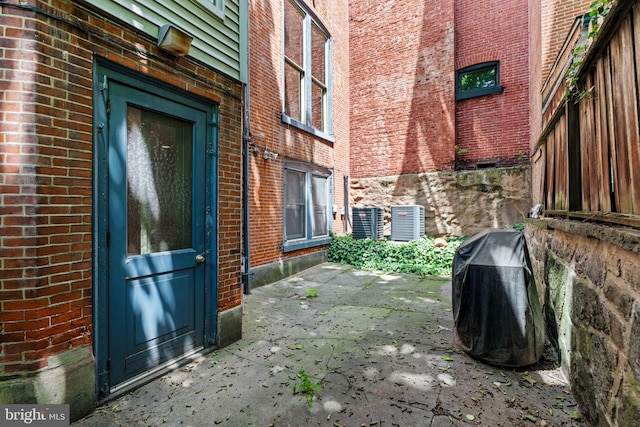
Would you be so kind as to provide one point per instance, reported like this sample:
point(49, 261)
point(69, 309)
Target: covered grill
point(496, 310)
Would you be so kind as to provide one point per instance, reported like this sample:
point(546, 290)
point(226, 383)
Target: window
point(306, 71)
point(307, 206)
point(478, 80)
point(215, 7)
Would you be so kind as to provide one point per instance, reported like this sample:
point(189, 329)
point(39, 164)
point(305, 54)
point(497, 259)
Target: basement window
point(307, 199)
point(478, 80)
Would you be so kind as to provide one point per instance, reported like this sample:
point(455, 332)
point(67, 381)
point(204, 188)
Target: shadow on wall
point(456, 203)
point(432, 136)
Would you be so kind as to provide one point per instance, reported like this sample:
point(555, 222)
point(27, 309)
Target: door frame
point(103, 72)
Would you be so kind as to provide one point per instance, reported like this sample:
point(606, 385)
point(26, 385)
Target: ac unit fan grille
point(368, 223)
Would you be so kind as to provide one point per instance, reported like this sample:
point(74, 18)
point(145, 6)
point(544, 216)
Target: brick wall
point(46, 198)
point(266, 177)
point(402, 87)
point(494, 129)
point(404, 118)
point(535, 93)
point(557, 17)
point(405, 121)
point(46, 172)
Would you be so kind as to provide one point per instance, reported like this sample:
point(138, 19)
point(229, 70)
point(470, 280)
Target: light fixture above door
point(174, 40)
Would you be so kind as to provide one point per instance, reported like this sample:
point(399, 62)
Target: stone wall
point(456, 203)
point(588, 276)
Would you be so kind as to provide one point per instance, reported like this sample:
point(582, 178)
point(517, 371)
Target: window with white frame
point(307, 206)
point(306, 70)
point(215, 7)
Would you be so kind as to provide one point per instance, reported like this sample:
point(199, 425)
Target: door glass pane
point(295, 211)
point(159, 181)
point(319, 194)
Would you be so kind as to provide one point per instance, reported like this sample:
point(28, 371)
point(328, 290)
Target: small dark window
point(478, 80)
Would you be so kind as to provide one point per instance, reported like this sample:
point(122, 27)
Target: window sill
point(215, 11)
point(313, 131)
point(479, 92)
point(295, 245)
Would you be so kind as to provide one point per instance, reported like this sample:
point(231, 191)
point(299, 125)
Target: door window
point(159, 182)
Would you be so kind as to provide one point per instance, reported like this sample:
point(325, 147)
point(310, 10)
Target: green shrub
point(417, 256)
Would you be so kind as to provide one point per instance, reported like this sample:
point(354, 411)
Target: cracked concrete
point(380, 346)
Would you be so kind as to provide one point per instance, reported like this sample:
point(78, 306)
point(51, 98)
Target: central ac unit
point(407, 222)
point(368, 223)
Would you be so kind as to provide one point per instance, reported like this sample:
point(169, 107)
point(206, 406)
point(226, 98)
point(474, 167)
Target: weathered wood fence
point(588, 155)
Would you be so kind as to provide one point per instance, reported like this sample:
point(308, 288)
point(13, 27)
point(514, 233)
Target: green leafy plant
point(597, 9)
point(460, 151)
point(313, 293)
point(419, 256)
point(307, 387)
point(519, 226)
point(523, 156)
point(571, 76)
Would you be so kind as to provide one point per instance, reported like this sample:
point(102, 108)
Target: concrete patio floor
point(379, 345)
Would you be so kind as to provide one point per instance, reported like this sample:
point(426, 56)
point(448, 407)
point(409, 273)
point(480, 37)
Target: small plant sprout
point(461, 150)
point(307, 387)
point(312, 293)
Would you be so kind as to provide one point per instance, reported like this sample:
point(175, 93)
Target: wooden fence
point(588, 155)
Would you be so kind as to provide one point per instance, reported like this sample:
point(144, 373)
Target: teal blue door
point(156, 231)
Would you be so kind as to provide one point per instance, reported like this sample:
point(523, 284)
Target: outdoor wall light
point(269, 155)
point(174, 40)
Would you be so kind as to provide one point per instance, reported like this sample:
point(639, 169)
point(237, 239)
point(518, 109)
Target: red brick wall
point(46, 151)
point(266, 177)
point(557, 18)
point(494, 129)
point(402, 87)
point(535, 70)
point(535, 88)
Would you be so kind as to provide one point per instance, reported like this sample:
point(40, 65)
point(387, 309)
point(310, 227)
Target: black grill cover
point(496, 310)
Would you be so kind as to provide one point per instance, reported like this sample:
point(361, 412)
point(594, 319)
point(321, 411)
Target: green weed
point(419, 256)
point(307, 387)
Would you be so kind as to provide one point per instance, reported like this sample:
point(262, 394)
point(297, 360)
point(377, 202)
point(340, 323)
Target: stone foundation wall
point(588, 276)
point(456, 203)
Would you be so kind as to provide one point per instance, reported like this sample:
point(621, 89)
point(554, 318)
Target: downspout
point(246, 139)
point(346, 222)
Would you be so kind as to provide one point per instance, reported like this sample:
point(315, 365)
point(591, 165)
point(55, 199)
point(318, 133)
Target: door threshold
point(152, 374)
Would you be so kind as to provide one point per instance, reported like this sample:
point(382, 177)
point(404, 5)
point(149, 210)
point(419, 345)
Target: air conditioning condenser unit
point(407, 222)
point(368, 223)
